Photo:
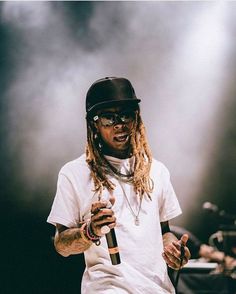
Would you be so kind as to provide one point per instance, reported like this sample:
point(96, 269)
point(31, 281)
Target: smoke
point(192, 99)
point(173, 53)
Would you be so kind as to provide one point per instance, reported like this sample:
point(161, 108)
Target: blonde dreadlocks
point(142, 160)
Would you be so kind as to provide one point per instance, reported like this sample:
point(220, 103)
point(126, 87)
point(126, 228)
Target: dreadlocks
point(142, 160)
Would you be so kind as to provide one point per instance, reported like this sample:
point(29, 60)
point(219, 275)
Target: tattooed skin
point(69, 241)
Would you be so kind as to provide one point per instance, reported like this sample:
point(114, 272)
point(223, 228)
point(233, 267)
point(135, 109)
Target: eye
point(108, 116)
point(127, 116)
point(107, 119)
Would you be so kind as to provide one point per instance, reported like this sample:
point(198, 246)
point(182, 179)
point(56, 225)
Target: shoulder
point(159, 168)
point(73, 166)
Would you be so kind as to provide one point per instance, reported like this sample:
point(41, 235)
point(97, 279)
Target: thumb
point(112, 199)
point(184, 239)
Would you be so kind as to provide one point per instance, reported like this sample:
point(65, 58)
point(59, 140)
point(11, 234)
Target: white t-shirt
point(142, 268)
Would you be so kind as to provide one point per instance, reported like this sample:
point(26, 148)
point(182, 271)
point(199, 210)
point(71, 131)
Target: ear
point(95, 127)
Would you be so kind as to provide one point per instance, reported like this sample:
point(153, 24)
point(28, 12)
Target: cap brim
point(112, 103)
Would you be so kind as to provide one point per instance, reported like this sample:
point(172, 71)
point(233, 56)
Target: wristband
point(83, 233)
point(91, 235)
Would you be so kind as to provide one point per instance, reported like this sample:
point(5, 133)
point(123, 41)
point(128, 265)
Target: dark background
point(49, 55)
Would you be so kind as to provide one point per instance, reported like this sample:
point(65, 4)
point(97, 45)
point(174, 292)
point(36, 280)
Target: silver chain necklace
point(136, 216)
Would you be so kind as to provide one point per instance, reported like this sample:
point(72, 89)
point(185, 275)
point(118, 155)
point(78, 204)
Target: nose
point(118, 126)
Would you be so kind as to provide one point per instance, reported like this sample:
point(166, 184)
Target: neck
point(121, 154)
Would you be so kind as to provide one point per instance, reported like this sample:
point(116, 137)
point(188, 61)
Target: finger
point(96, 206)
point(101, 214)
point(184, 239)
point(172, 250)
point(170, 262)
point(112, 225)
point(178, 244)
point(105, 221)
point(185, 261)
point(187, 253)
point(96, 226)
point(172, 256)
point(102, 217)
point(112, 199)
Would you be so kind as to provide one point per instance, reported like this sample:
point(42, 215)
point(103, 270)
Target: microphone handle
point(113, 247)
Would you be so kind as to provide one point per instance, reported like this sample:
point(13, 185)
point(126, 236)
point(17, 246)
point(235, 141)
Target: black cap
point(110, 91)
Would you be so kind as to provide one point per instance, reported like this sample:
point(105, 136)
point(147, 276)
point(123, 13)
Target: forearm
point(77, 240)
point(69, 242)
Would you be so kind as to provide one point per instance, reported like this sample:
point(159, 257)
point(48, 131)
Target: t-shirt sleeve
point(65, 208)
point(168, 203)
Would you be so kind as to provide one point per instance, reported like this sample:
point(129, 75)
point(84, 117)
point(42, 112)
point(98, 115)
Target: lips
point(121, 137)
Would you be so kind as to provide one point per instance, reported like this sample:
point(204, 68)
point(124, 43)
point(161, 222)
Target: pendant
point(136, 221)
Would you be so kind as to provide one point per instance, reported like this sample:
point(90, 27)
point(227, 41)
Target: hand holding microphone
point(176, 253)
point(103, 222)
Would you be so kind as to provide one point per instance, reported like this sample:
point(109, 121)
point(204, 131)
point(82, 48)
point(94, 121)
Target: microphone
point(111, 242)
point(113, 247)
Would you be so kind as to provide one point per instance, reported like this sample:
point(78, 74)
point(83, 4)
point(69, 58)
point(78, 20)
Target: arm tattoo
point(70, 242)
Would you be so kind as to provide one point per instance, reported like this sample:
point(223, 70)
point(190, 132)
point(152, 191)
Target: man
point(118, 170)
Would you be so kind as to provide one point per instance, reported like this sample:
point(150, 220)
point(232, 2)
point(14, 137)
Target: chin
point(123, 147)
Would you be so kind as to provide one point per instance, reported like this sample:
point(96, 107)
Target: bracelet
point(83, 233)
point(91, 235)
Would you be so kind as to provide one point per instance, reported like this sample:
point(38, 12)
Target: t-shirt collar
point(120, 162)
